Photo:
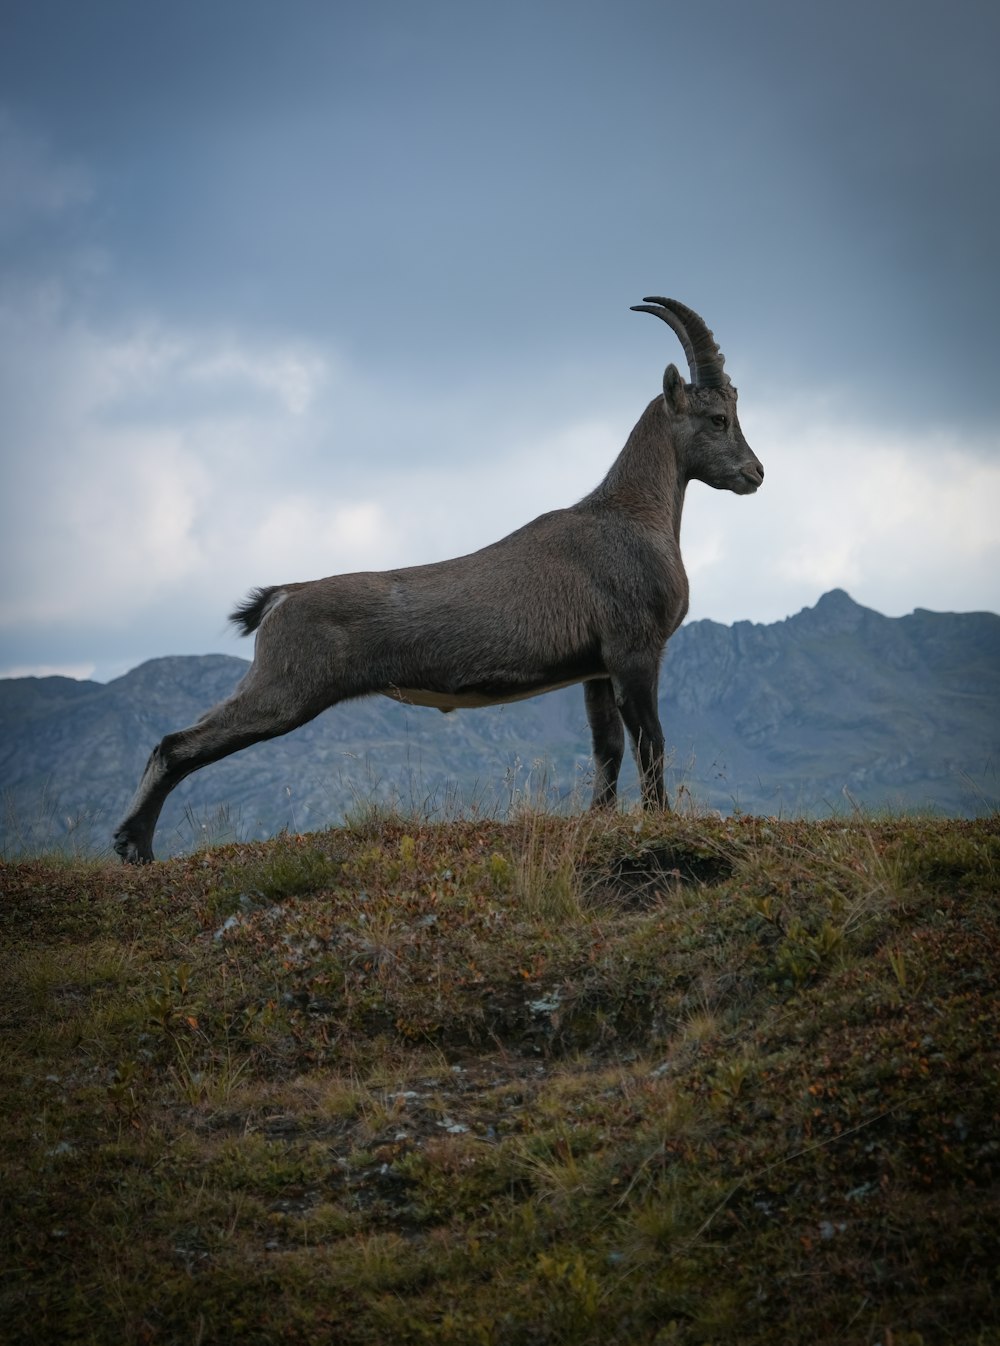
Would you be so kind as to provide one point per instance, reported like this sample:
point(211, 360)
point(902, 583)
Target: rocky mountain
point(784, 719)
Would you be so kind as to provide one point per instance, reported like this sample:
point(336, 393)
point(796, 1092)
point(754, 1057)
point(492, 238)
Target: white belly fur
point(446, 701)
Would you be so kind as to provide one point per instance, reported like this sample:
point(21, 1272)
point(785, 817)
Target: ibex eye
point(719, 422)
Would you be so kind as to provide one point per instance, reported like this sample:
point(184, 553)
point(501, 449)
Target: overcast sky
point(294, 288)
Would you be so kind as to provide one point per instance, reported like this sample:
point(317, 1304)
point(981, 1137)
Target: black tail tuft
point(249, 614)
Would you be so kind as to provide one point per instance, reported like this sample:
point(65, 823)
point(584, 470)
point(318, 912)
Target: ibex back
point(586, 594)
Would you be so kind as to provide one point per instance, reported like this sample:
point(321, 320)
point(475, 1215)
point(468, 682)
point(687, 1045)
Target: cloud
point(124, 453)
point(159, 472)
point(80, 672)
point(898, 519)
point(35, 184)
point(307, 538)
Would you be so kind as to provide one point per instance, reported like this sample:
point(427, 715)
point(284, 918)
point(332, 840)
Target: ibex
point(587, 594)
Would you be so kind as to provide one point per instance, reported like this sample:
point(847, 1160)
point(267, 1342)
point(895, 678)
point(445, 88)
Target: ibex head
point(703, 411)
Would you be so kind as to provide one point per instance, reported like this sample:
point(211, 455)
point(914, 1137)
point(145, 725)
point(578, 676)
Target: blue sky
point(290, 289)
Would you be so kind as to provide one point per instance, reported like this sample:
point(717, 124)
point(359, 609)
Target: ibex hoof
point(131, 851)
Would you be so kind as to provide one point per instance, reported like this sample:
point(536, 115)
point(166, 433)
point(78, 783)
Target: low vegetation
point(549, 1080)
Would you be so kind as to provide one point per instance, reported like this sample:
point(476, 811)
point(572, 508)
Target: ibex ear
point(673, 391)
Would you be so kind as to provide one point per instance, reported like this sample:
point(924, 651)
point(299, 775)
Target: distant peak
point(836, 599)
point(836, 611)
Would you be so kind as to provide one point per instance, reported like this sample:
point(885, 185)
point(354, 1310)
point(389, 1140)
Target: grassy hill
point(553, 1080)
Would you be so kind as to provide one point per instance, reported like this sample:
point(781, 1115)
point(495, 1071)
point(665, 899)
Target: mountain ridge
point(783, 717)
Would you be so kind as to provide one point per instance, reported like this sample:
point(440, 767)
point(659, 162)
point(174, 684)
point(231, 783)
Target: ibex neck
point(645, 480)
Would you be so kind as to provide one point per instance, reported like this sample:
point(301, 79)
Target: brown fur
point(586, 594)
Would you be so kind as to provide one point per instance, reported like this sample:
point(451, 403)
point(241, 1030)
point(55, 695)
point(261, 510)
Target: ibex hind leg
point(133, 840)
point(234, 724)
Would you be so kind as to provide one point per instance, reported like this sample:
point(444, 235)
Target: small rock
point(230, 923)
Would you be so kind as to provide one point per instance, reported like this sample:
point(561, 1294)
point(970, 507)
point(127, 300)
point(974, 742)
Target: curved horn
point(705, 360)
